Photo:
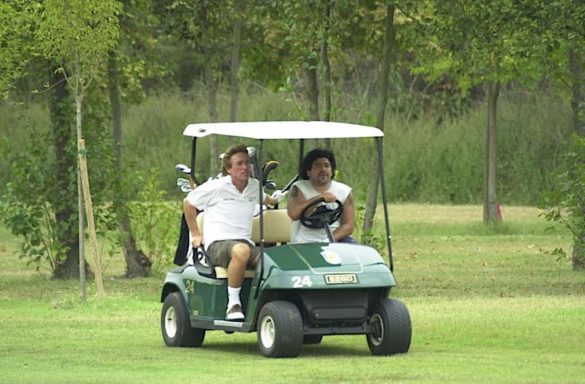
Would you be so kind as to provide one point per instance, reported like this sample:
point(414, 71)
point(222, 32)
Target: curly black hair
point(311, 157)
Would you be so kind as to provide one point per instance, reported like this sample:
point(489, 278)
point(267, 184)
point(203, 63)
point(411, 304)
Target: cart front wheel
point(176, 326)
point(280, 330)
point(390, 328)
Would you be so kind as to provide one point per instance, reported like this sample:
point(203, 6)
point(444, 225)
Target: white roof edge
point(283, 130)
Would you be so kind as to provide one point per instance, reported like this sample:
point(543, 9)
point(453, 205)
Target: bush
point(155, 221)
point(566, 204)
point(26, 207)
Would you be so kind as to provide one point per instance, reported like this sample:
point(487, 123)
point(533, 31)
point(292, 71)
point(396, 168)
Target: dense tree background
point(478, 101)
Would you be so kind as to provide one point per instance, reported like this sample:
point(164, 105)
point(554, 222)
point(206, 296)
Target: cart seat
point(277, 227)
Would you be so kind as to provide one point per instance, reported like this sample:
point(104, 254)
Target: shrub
point(155, 221)
point(566, 204)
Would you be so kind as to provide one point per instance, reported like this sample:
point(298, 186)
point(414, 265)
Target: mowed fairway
point(488, 305)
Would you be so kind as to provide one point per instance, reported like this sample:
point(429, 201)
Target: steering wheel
point(317, 215)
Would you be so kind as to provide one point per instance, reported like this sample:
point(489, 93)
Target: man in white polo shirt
point(229, 203)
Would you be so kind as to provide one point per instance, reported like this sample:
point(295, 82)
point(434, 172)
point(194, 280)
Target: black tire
point(280, 329)
point(390, 328)
point(312, 339)
point(176, 326)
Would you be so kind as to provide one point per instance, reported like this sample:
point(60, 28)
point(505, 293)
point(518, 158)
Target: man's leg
point(240, 255)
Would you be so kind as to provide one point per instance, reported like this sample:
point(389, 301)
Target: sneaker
point(234, 313)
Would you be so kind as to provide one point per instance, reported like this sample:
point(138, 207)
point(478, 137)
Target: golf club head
point(270, 185)
point(185, 189)
point(184, 185)
point(183, 168)
point(267, 168)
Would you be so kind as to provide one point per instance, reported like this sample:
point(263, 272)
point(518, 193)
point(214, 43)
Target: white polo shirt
point(302, 234)
point(228, 212)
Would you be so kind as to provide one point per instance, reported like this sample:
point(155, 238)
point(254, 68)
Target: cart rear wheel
point(176, 326)
point(280, 330)
point(390, 328)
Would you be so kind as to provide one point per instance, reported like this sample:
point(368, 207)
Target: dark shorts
point(347, 239)
point(220, 252)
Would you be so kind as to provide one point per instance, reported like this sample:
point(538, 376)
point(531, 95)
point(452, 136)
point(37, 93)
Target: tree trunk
point(381, 114)
point(65, 204)
point(577, 91)
point(578, 107)
point(490, 202)
point(234, 83)
point(326, 66)
point(137, 263)
point(211, 84)
point(312, 87)
point(80, 205)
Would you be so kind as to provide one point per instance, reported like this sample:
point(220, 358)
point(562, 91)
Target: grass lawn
point(488, 305)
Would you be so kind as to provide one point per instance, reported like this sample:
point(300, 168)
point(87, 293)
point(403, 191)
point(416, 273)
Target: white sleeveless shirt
point(302, 234)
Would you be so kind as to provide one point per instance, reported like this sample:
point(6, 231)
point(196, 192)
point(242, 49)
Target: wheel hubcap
point(171, 322)
point(267, 332)
point(376, 329)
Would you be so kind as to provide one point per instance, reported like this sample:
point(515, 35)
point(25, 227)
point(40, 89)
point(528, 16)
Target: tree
point(485, 43)
point(136, 40)
point(389, 41)
point(79, 43)
point(302, 24)
point(16, 17)
point(54, 236)
point(65, 199)
point(235, 60)
point(203, 25)
point(576, 170)
point(564, 23)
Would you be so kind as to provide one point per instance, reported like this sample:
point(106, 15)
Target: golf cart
point(298, 292)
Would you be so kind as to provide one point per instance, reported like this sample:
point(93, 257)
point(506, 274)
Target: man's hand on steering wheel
point(316, 215)
point(328, 197)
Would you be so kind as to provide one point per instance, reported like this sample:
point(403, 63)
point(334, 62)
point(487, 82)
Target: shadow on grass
point(321, 350)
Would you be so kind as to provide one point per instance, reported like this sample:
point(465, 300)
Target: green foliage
point(566, 204)
point(16, 17)
point(25, 206)
point(101, 160)
point(155, 221)
point(80, 40)
point(425, 162)
point(477, 42)
point(32, 196)
point(140, 52)
point(374, 238)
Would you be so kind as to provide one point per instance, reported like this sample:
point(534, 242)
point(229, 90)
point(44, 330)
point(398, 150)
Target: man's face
point(320, 172)
point(240, 167)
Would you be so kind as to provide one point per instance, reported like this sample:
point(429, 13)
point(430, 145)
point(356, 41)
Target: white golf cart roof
point(283, 130)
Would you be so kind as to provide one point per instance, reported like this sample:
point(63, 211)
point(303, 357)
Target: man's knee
point(241, 252)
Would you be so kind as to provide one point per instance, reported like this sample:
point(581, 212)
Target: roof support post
point(380, 153)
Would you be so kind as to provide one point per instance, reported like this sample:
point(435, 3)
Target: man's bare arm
point(347, 220)
point(191, 219)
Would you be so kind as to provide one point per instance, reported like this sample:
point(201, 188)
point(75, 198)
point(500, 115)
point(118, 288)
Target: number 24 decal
point(301, 281)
